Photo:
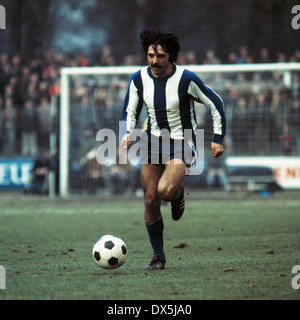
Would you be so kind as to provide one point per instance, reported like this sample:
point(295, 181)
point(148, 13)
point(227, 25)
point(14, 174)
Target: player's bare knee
point(152, 201)
point(167, 193)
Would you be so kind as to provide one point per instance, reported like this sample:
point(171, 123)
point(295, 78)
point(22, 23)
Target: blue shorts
point(160, 150)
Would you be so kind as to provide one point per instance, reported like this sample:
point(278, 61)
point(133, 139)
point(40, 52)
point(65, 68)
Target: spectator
point(259, 125)
point(16, 66)
point(5, 75)
point(15, 90)
point(129, 60)
point(24, 81)
point(295, 57)
point(239, 127)
point(119, 175)
point(32, 92)
point(211, 58)
point(39, 182)
point(281, 57)
point(9, 127)
point(4, 59)
point(43, 90)
point(191, 57)
point(243, 56)
point(286, 141)
point(216, 173)
point(43, 124)
point(28, 126)
point(106, 56)
point(84, 125)
point(232, 58)
point(295, 85)
point(264, 56)
point(277, 107)
point(81, 60)
point(294, 123)
point(93, 173)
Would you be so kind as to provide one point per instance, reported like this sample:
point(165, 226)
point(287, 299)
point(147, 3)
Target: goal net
point(262, 111)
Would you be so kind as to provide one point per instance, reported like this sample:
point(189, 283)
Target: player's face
point(159, 61)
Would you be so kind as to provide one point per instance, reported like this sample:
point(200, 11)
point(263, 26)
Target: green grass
point(230, 247)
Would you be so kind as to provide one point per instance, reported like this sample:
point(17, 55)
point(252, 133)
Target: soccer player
point(167, 90)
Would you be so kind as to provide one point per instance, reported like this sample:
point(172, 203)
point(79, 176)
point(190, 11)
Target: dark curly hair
point(156, 36)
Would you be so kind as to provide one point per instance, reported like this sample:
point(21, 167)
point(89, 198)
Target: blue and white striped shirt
point(168, 102)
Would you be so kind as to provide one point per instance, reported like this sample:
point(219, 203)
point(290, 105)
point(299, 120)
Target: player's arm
point(217, 149)
point(131, 110)
point(201, 93)
point(126, 141)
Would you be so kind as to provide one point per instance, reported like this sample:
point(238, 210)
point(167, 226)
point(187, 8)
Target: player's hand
point(217, 149)
point(126, 142)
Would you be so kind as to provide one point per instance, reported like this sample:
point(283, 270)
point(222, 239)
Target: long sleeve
point(132, 105)
point(203, 94)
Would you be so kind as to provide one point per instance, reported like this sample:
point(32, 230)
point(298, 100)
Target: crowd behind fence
point(262, 109)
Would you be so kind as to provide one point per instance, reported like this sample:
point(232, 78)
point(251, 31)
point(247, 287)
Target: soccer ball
point(110, 252)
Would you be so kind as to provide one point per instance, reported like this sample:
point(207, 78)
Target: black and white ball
point(110, 252)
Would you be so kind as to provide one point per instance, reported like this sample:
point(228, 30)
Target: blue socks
point(155, 232)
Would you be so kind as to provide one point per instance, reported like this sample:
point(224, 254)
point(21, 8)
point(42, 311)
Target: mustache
point(154, 65)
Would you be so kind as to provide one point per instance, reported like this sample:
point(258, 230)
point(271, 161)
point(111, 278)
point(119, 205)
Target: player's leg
point(150, 176)
point(171, 180)
point(170, 187)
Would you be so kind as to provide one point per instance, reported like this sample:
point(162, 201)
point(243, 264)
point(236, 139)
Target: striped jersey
point(169, 103)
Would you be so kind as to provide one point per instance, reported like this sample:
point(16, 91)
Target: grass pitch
point(225, 247)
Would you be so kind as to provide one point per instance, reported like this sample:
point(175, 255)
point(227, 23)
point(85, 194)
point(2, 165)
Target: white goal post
point(285, 69)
